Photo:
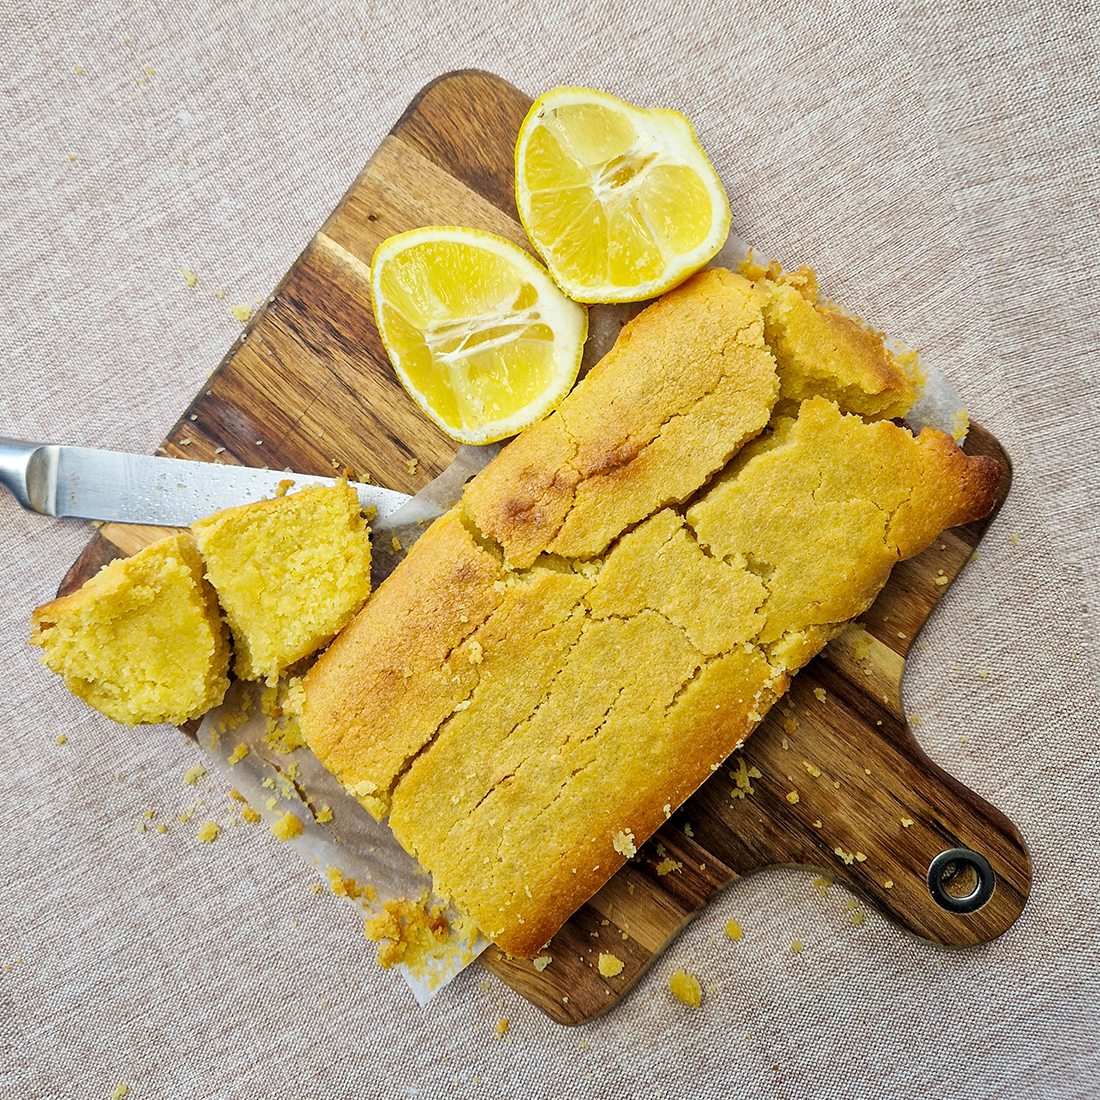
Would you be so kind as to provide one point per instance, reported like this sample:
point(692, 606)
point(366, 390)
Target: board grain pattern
point(308, 387)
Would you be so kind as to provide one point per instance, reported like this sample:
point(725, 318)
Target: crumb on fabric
point(208, 833)
point(243, 313)
point(62, 739)
point(502, 1027)
point(733, 929)
point(685, 987)
point(796, 946)
point(193, 774)
point(189, 277)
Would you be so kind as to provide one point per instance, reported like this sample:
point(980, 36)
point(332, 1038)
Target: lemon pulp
point(477, 331)
point(621, 203)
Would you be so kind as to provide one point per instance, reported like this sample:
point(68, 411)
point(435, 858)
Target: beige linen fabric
point(937, 163)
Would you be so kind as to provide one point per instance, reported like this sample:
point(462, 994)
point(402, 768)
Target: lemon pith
point(621, 203)
point(477, 331)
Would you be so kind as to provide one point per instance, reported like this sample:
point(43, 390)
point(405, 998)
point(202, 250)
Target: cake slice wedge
point(143, 640)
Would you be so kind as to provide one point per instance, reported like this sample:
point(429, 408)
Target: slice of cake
point(620, 597)
point(289, 572)
point(142, 640)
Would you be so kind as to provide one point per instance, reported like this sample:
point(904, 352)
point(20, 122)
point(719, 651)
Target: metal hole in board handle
point(967, 859)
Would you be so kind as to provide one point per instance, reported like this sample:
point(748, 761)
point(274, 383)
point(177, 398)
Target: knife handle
point(26, 470)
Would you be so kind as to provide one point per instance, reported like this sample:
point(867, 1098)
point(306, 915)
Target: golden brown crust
point(378, 693)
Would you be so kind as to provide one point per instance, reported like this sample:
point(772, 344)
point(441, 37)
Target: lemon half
point(477, 331)
point(621, 203)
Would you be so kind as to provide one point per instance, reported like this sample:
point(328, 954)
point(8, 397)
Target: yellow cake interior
point(289, 573)
point(143, 640)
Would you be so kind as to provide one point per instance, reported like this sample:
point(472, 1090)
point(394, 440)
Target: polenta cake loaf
point(626, 589)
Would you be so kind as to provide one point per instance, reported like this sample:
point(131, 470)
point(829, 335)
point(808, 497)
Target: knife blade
point(84, 483)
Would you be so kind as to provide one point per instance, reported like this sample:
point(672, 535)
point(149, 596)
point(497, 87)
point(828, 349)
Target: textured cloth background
point(936, 163)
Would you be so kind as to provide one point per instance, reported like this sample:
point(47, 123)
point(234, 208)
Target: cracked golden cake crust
point(519, 697)
point(688, 381)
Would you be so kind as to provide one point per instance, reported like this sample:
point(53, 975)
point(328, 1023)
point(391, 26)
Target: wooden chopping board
point(309, 387)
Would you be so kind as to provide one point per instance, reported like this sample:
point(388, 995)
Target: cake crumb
point(817, 824)
point(667, 866)
point(906, 822)
point(238, 754)
point(623, 842)
point(407, 931)
point(688, 830)
point(796, 946)
point(120, 1090)
point(395, 542)
point(685, 988)
point(819, 694)
point(62, 739)
point(250, 815)
point(857, 917)
point(813, 769)
point(243, 313)
point(941, 581)
point(792, 797)
point(542, 962)
point(323, 814)
point(502, 1027)
point(823, 885)
point(207, 833)
point(193, 774)
point(287, 827)
point(189, 277)
point(733, 929)
point(846, 856)
point(609, 965)
point(889, 884)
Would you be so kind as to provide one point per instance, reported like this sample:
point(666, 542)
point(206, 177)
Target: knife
point(83, 483)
